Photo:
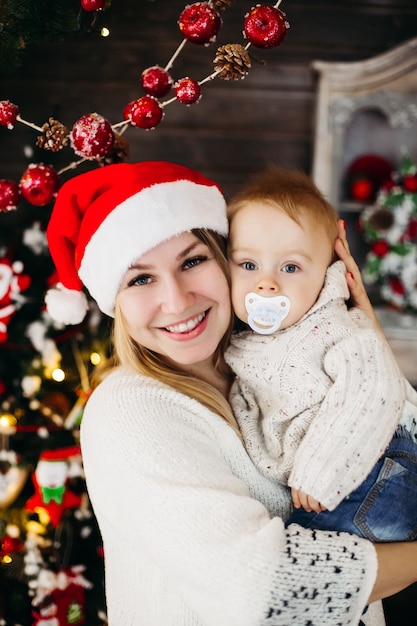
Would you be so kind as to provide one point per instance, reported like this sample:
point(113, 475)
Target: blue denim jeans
point(384, 507)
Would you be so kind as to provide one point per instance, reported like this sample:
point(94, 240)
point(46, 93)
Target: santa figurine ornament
point(12, 283)
point(60, 598)
point(50, 482)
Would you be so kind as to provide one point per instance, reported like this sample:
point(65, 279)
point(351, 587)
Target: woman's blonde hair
point(128, 353)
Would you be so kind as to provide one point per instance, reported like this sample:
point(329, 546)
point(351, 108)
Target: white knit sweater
point(192, 531)
point(317, 403)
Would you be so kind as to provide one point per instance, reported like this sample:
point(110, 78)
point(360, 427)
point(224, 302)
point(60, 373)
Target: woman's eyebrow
point(180, 255)
point(187, 250)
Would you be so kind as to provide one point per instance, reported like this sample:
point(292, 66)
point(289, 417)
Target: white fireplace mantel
point(386, 84)
point(368, 107)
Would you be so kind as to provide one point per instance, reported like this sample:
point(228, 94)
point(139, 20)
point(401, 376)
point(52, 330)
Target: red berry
point(380, 248)
point(92, 136)
point(200, 23)
point(93, 5)
point(156, 81)
point(397, 286)
point(9, 195)
point(187, 90)
point(146, 112)
point(39, 184)
point(412, 230)
point(265, 26)
point(410, 183)
point(387, 185)
point(8, 113)
point(127, 111)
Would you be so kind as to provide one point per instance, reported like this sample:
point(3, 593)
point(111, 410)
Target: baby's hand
point(301, 499)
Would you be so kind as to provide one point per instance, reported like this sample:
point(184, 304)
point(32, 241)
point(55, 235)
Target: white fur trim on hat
point(143, 221)
point(66, 306)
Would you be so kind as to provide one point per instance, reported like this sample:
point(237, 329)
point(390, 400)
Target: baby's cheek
point(238, 303)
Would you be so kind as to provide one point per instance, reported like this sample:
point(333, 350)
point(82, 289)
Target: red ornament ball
point(92, 136)
point(156, 81)
point(9, 195)
point(10, 544)
point(93, 5)
point(39, 184)
point(362, 189)
point(200, 23)
point(8, 113)
point(187, 90)
point(366, 175)
point(146, 112)
point(265, 26)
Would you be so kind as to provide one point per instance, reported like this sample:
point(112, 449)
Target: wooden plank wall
point(238, 126)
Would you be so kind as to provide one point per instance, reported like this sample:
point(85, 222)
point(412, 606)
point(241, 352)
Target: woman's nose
point(176, 298)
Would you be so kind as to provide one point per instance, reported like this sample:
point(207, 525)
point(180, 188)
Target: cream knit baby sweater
point(317, 403)
point(193, 533)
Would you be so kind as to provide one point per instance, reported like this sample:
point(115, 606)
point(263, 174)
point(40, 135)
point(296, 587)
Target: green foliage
point(402, 249)
point(25, 23)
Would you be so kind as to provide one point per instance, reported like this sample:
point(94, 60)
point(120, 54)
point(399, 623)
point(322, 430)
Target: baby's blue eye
point(248, 265)
point(290, 268)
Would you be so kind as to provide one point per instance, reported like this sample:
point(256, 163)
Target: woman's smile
point(186, 328)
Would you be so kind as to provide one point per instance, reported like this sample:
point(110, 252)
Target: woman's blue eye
point(194, 261)
point(248, 265)
point(290, 268)
point(143, 279)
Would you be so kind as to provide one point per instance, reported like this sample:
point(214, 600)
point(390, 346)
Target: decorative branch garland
point(93, 137)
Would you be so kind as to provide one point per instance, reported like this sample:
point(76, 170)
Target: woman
point(193, 534)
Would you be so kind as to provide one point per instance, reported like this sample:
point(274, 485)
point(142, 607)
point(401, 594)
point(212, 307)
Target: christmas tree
point(25, 24)
point(51, 559)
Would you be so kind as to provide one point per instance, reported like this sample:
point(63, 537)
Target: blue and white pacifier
point(265, 315)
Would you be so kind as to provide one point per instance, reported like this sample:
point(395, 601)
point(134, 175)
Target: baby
point(319, 397)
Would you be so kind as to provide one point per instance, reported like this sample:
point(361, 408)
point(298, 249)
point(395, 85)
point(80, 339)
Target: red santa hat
point(60, 454)
point(105, 219)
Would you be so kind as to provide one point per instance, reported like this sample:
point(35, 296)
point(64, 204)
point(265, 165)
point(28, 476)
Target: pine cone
point(381, 220)
point(55, 136)
point(222, 5)
point(118, 153)
point(233, 61)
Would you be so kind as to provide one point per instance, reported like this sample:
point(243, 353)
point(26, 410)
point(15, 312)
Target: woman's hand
point(353, 276)
point(397, 568)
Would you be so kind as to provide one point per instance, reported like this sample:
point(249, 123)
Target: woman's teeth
point(186, 326)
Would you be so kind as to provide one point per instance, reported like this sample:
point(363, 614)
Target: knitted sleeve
point(355, 422)
point(172, 481)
